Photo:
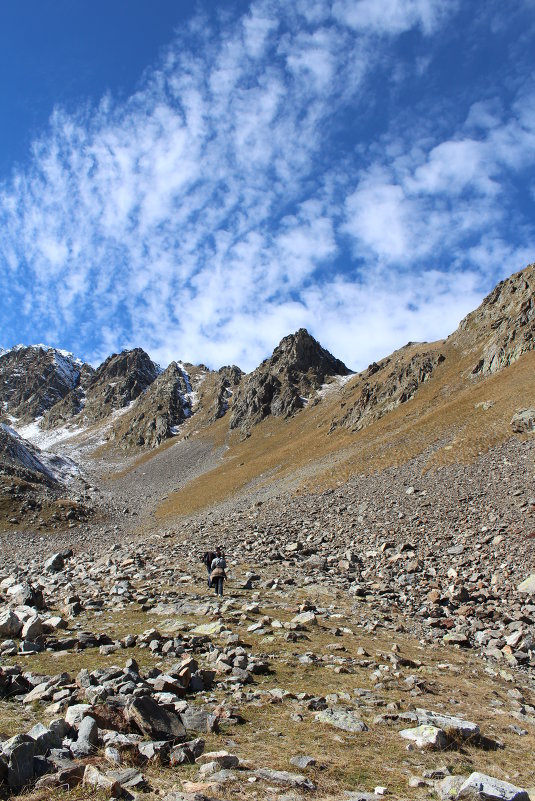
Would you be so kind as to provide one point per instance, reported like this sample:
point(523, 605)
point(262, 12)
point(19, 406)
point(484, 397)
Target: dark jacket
point(208, 558)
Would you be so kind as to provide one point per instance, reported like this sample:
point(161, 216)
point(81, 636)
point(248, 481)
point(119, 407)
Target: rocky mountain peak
point(300, 352)
point(35, 377)
point(119, 381)
point(164, 406)
point(283, 383)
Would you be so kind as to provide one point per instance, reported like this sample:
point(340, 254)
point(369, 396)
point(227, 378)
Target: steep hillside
point(503, 327)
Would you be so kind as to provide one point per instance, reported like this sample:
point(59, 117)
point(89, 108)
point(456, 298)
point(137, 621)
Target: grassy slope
point(444, 413)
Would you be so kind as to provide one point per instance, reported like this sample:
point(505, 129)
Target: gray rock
point(55, 563)
point(155, 750)
point(154, 721)
point(284, 778)
point(198, 720)
point(523, 422)
point(528, 585)
point(187, 753)
point(223, 776)
point(221, 758)
point(430, 737)
point(76, 713)
point(448, 788)
point(45, 739)
point(479, 787)
point(341, 719)
point(303, 762)
point(452, 725)
point(20, 767)
point(32, 628)
point(128, 778)
point(95, 778)
point(87, 741)
point(10, 625)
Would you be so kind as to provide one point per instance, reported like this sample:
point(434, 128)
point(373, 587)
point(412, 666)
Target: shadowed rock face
point(282, 384)
point(119, 381)
point(33, 379)
point(68, 407)
point(164, 405)
point(18, 457)
point(228, 378)
point(503, 327)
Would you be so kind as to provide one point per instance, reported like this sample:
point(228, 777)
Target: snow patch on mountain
point(67, 364)
point(58, 468)
point(46, 439)
point(191, 396)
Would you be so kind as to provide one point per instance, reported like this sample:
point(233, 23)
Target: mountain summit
point(35, 377)
point(282, 384)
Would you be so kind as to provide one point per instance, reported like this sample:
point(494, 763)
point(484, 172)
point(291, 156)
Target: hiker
point(207, 559)
point(217, 573)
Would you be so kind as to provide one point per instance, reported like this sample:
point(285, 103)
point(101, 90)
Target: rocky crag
point(282, 384)
point(502, 329)
point(35, 378)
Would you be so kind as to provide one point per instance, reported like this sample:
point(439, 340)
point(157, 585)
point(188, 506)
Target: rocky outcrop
point(282, 384)
point(523, 422)
point(164, 406)
point(394, 381)
point(503, 327)
point(72, 404)
point(118, 382)
point(35, 378)
point(228, 378)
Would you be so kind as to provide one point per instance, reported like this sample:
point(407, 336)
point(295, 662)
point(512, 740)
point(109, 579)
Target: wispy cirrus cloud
point(247, 189)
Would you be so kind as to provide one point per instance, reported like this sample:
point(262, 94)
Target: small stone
point(303, 762)
point(95, 778)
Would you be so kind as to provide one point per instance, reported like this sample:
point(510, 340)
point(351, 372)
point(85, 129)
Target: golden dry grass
point(444, 414)
point(455, 682)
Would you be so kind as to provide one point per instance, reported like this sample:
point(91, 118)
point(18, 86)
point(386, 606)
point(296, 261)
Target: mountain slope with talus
point(301, 419)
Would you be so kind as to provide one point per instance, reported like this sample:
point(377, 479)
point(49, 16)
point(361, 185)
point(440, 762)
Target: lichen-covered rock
point(426, 736)
point(341, 719)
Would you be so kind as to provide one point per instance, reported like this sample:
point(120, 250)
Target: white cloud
point(393, 16)
point(377, 218)
point(210, 214)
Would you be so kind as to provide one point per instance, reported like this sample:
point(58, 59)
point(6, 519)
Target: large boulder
point(10, 625)
point(523, 422)
point(479, 787)
point(154, 721)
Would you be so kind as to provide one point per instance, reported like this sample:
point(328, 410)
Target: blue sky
point(201, 180)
